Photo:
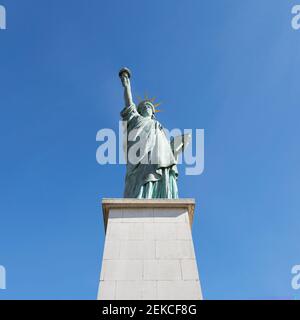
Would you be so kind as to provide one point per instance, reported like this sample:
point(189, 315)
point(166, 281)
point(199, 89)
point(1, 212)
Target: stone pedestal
point(148, 251)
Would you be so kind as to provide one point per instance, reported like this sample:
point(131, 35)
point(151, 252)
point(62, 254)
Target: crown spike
point(157, 104)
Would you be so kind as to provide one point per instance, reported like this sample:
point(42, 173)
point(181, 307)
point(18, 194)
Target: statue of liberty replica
point(151, 170)
point(130, 258)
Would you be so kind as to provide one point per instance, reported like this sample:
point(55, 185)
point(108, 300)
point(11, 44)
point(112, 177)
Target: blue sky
point(228, 66)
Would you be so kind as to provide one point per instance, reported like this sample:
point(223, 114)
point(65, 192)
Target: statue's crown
point(151, 100)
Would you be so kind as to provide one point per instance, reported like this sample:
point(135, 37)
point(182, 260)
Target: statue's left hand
point(179, 143)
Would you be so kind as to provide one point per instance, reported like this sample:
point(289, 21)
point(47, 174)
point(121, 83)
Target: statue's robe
point(153, 171)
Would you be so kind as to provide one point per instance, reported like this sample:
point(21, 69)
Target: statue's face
point(145, 108)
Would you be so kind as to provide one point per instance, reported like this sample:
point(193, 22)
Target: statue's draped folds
point(155, 173)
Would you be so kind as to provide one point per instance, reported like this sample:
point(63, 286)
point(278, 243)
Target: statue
point(153, 172)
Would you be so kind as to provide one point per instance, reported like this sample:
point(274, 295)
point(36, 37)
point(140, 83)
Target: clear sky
point(230, 67)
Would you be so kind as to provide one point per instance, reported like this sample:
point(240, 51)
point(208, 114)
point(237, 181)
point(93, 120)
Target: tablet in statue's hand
point(179, 143)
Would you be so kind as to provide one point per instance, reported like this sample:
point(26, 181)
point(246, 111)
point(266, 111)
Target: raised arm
point(125, 75)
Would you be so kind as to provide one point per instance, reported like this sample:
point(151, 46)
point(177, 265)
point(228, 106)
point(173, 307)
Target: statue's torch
point(125, 72)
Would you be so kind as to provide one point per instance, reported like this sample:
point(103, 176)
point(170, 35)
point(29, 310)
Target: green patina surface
point(154, 173)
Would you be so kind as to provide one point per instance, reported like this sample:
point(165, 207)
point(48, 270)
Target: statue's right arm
point(127, 91)
point(130, 111)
